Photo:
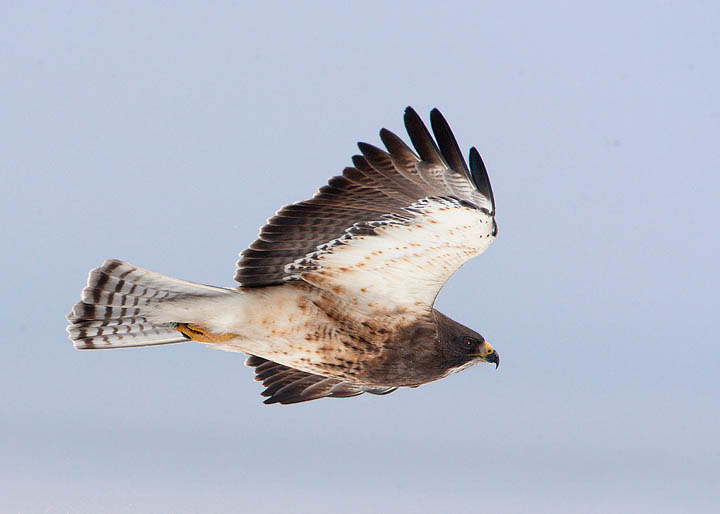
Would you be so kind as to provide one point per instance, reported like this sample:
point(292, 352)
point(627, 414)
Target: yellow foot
point(201, 335)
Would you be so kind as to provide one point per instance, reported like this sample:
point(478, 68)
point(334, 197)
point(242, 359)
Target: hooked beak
point(488, 354)
point(493, 358)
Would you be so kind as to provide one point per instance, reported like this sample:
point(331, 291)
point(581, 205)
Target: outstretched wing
point(288, 385)
point(391, 230)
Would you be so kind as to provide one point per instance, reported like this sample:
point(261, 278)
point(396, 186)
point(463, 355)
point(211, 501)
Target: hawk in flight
point(336, 295)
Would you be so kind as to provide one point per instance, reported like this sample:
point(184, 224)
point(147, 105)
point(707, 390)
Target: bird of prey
point(336, 295)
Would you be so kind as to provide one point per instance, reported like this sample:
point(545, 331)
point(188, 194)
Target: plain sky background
point(165, 134)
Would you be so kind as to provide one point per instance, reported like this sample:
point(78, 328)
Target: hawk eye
point(469, 342)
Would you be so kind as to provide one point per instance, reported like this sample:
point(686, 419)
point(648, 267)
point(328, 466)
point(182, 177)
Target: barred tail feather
point(123, 307)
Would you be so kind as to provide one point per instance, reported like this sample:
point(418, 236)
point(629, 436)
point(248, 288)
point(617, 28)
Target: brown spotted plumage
point(336, 295)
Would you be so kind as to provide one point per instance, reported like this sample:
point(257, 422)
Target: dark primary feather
point(287, 385)
point(380, 183)
point(421, 139)
point(448, 143)
point(480, 177)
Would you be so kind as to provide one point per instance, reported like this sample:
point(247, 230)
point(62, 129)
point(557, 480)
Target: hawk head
point(462, 346)
point(474, 347)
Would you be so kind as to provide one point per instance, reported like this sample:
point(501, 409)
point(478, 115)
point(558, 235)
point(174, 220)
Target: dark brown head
point(461, 346)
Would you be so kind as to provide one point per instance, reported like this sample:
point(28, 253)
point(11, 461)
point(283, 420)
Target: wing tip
point(480, 177)
point(449, 146)
point(420, 137)
point(409, 110)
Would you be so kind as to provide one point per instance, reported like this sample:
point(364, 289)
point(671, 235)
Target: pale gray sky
point(166, 134)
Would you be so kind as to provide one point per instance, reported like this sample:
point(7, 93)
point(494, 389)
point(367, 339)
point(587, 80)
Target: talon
point(199, 334)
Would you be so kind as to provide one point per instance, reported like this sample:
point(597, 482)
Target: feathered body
point(336, 295)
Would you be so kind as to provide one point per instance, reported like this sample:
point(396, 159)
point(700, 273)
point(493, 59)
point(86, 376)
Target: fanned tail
point(124, 306)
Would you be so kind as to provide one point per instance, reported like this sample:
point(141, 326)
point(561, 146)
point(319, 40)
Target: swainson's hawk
point(336, 295)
